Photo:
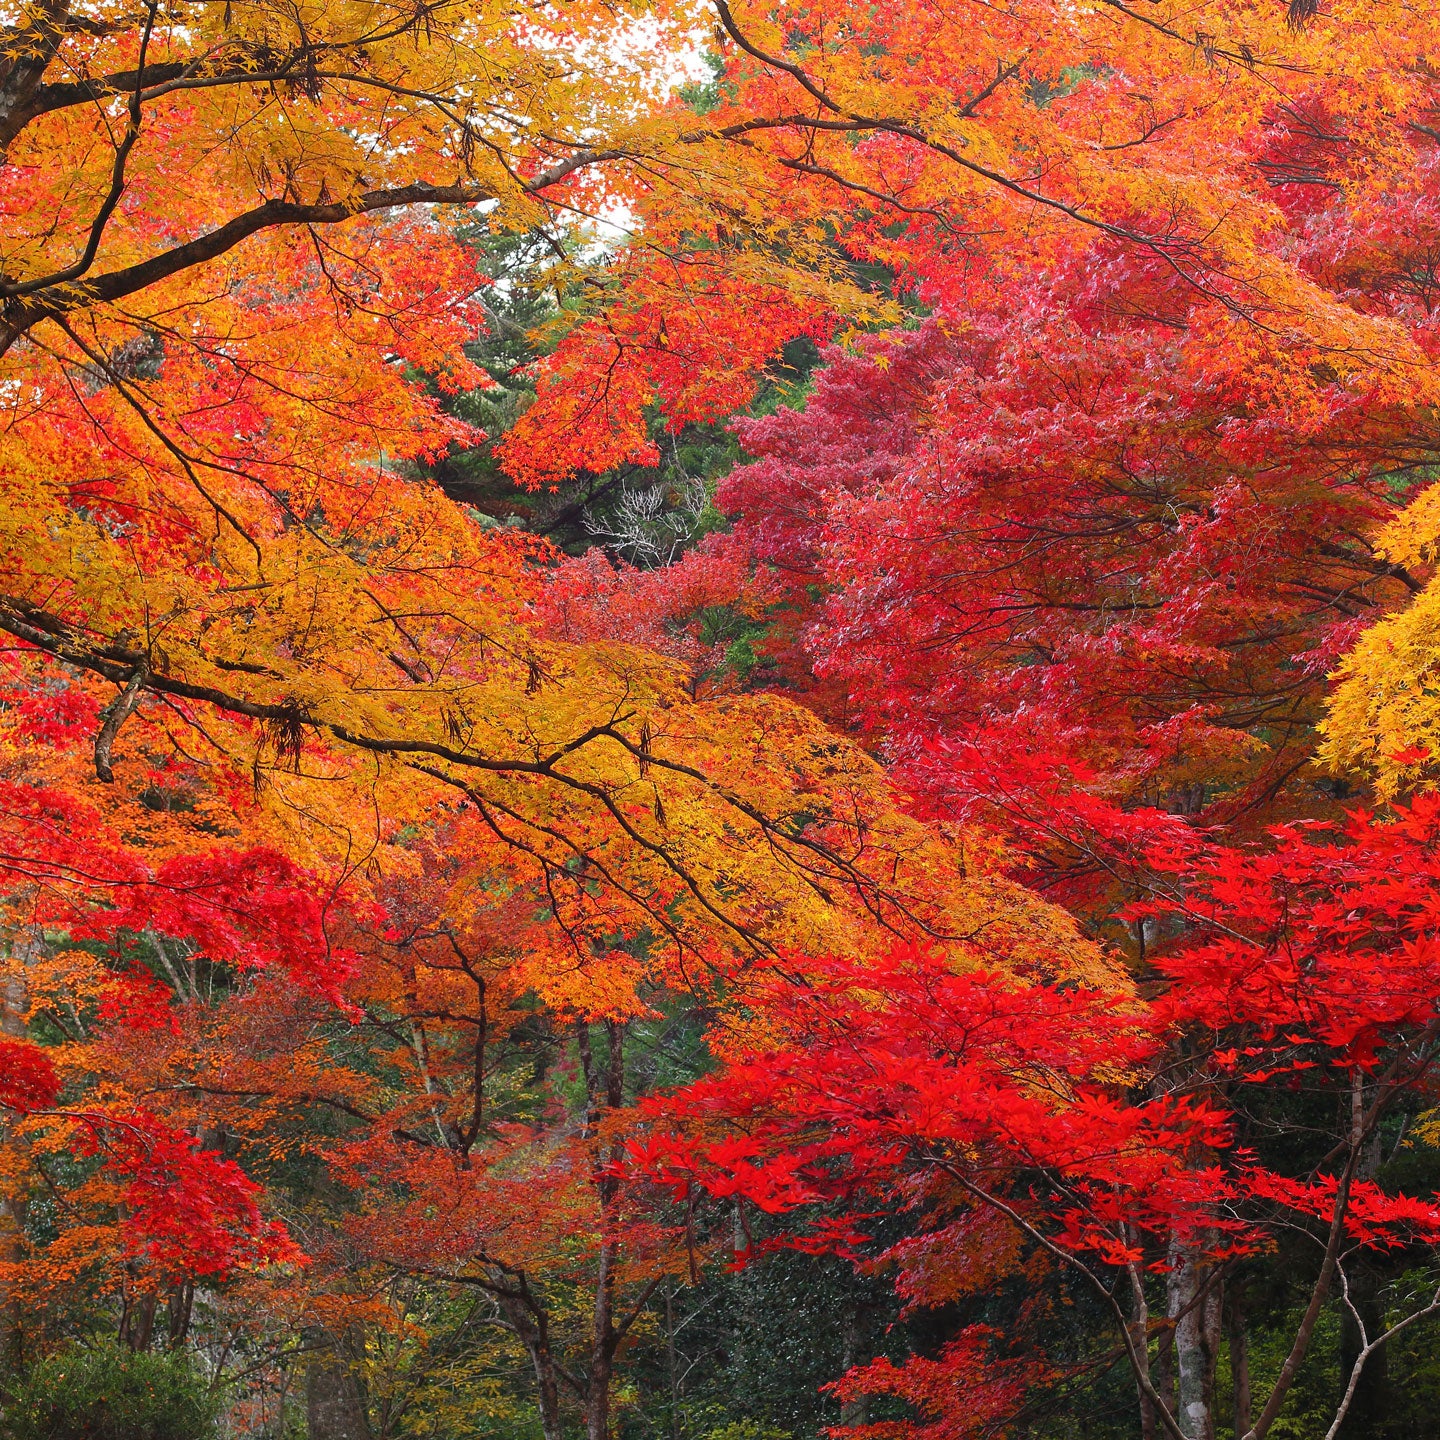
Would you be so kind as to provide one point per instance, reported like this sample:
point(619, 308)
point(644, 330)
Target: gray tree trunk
point(1240, 1362)
point(1196, 1312)
point(1370, 1401)
point(855, 1411)
point(1139, 1329)
point(607, 1093)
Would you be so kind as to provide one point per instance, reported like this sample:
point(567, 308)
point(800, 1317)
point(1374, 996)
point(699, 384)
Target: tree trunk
point(602, 1351)
point(671, 1364)
point(746, 1374)
point(137, 1322)
point(855, 1411)
point(179, 1306)
point(607, 1092)
point(530, 1324)
point(334, 1393)
point(1368, 1404)
point(1139, 1331)
point(1196, 1313)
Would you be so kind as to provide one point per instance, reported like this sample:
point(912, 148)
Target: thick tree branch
point(130, 279)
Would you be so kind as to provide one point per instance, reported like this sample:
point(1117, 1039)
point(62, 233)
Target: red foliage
point(1037, 536)
point(252, 908)
point(1324, 948)
point(965, 1391)
point(189, 1211)
point(675, 339)
point(28, 1080)
point(137, 1002)
point(884, 1064)
point(909, 1086)
point(591, 598)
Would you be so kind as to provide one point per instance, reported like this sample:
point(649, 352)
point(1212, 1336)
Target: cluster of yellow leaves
point(1384, 716)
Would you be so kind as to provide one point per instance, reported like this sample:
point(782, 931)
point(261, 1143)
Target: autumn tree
point(237, 615)
point(1052, 1121)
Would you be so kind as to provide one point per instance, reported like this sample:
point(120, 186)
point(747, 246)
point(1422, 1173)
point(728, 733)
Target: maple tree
point(970, 157)
point(1019, 541)
point(268, 633)
point(1058, 1116)
point(356, 850)
point(238, 617)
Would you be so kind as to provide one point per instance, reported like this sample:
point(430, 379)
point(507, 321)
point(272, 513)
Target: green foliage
point(1311, 1404)
point(107, 1392)
point(747, 1430)
point(703, 96)
point(448, 1372)
point(519, 307)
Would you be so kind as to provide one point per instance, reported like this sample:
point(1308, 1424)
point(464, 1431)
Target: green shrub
point(748, 1430)
point(108, 1393)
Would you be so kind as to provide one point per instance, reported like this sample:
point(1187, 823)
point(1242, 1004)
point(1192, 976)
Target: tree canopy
point(669, 665)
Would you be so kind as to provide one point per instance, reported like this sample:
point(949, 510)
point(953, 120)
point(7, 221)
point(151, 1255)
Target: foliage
point(106, 1392)
point(914, 885)
point(904, 1084)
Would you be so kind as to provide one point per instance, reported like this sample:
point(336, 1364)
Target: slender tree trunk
point(671, 1364)
point(1367, 1405)
point(1197, 1343)
point(180, 1305)
point(855, 1411)
point(14, 1200)
point(1213, 1325)
point(1139, 1328)
point(745, 1297)
point(137, 1322)
point(605, 1091)
point(530, 1325)
point(602, 1350)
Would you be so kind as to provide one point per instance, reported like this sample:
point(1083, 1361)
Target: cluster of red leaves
point(886, 1065)
point(188, 1211)
point(959, 1392)
point(1323, 948)
point(1038, 537)
point(675, 340)
point(591, 598)
point(28, 1080)
point(250, 909)
point(183, 1211)
point(136, 1002)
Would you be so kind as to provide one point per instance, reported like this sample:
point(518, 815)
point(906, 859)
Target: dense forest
point(719, 720)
